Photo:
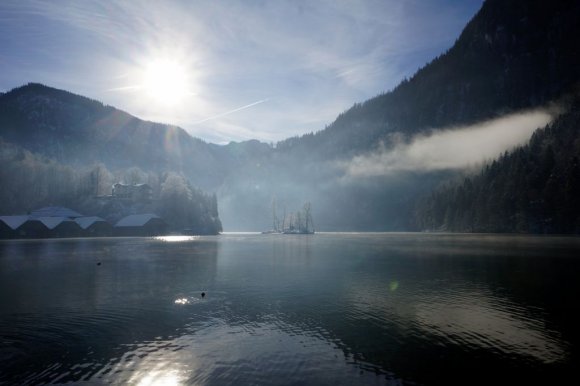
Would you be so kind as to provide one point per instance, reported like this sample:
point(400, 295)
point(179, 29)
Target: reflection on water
point(279, 309)
point(173, 239)
point(478, 320)
point(159, 377)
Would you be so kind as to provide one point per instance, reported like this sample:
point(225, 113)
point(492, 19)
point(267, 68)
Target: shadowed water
point(325, 309)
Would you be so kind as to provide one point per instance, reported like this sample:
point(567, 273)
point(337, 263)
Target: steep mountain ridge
point(532, 189)
point(77, 130)
point(513, 55)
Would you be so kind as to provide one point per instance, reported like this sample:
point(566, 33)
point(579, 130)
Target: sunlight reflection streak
point(173, 239)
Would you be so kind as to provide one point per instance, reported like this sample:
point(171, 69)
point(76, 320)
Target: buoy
point(99, 263)
point(203, 294)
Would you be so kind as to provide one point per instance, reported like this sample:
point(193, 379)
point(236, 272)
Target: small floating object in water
point(203, 295)
point(99, 263)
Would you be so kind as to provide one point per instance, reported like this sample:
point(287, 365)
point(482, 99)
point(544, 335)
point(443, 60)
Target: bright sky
point(226, 70)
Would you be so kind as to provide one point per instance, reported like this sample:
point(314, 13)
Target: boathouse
point(5, 230)
point(9, 226)
point(32, 229)
point(52, 221)
point(61, 227)
point(140, 225)
point(93, 226)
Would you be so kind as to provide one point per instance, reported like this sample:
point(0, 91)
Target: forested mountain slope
point(514, 54)
point(75, 130)
point(532, 189)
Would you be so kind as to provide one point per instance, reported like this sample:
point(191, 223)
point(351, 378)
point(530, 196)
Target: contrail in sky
point(231, 111)
point(124, 88)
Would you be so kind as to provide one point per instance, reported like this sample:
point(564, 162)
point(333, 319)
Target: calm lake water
point(324, 309)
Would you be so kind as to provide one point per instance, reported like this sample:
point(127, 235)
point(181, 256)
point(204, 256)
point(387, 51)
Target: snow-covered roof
point(86, 222)
point(55, 211)
point(53, 222)
point(14, 221)
point(136, 220)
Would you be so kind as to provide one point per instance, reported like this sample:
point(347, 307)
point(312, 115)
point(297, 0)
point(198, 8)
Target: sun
point(166, 81)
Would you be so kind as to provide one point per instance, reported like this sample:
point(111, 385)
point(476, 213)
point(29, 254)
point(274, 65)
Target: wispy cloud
point(453, 148)
point(312, 56)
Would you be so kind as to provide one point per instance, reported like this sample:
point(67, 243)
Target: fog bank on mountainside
point(532, 189)
point(447, 149)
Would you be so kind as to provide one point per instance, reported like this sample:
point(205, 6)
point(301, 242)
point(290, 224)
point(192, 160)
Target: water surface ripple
point(324, 309)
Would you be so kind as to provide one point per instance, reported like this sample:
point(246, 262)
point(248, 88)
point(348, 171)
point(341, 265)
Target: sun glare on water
point(166, 81)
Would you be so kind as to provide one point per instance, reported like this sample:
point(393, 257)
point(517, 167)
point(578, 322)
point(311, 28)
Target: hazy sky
point(226, 70)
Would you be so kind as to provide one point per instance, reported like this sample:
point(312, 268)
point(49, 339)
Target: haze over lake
point(334, 309)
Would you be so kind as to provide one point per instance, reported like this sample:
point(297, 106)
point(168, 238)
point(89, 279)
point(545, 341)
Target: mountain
point(532, 189)
point(513, 55)
point(75, 130)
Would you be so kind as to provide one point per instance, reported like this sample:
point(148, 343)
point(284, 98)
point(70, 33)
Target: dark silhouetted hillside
point(532, 189)
point(76, 130)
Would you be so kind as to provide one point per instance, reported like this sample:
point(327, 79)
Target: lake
point(324, 309)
